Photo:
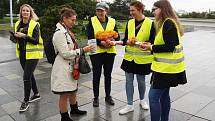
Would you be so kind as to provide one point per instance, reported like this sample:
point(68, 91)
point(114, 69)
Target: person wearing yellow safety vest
point(29, 49)
point(168, 65)
point(137, 61)
point(105, 53)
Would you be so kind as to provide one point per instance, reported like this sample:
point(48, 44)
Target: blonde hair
point(166, 12)
point(33, 15)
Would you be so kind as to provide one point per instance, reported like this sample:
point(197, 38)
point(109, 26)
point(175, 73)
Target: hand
point(105, 44)
point(131, 41)
point(19, 34)
point(146, 45)
point(112, 43)
point(119, 42)
point(88, 48)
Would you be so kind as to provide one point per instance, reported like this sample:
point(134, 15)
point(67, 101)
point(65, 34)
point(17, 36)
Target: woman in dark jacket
point(105, 52)
point(29, 49)
point(168, 66)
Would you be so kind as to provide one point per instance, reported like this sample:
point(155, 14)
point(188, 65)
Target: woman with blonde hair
point(168, 65)
point(29, 49)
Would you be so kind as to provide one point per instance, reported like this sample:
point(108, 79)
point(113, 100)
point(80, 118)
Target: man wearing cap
point(105, 53)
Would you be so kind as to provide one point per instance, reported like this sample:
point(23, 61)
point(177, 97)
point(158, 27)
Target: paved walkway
point(194, 101)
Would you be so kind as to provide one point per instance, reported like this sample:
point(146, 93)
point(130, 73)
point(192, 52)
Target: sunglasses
point(153, 9)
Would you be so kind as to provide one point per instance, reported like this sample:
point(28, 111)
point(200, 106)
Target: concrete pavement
point(194, 101)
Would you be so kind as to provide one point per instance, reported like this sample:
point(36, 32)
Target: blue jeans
point(130, 87)
point(159, 101)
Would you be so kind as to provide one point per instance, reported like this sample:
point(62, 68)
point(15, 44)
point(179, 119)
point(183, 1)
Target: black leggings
point(28, 77)
point(98, 61)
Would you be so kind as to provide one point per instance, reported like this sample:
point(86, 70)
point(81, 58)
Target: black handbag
point(84, 66)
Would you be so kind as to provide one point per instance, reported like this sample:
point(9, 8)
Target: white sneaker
point(144, 105)
point(127, 109)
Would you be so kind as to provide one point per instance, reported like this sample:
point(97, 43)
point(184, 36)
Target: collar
point(60, 26)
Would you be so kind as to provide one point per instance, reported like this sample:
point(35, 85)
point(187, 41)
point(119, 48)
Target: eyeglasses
point(153, 9)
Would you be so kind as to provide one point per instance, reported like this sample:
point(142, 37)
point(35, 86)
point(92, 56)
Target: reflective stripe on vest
point(168, 62)
point(32, 51)
point(139, 56)
point(138, 53)
point(98, 27)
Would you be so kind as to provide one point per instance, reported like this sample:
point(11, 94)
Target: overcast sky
point(188, 5)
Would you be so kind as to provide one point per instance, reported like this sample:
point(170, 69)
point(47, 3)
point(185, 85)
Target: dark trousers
point(159, 101)
point(28, 77)
point(98, 61)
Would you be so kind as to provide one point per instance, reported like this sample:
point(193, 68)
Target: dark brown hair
point(138, 5)
point(167, 12)
point(67, 12)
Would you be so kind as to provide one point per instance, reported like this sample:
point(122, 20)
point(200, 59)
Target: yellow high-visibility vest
point(168, 62)
point(32, 51)
point(139, 56)
point(98, 27)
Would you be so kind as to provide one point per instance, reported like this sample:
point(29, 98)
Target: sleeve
point(60, 44)
point(90, 30)
point(90, 33)
point(152, 34)
point(115, 29)
point(35, 37)
point(170, 37)
point(126, 35)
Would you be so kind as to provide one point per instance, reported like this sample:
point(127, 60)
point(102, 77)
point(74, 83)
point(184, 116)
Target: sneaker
point(95, 102)
point(144, 105)
point(34, 98)
point(24, 106)
point(109, 100)
point(127, 109)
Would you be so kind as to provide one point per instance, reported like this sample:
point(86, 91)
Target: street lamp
point(11, 13)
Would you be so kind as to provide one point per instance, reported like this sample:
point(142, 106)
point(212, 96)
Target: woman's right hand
point(88, 48)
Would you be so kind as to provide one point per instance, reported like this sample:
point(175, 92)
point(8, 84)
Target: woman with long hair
point(168, 65)
point(29, 49)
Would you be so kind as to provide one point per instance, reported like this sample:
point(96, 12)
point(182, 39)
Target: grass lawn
point(5, 27)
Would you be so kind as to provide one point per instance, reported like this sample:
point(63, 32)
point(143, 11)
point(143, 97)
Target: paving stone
point(53, 118)
point(38, 72)
point(2, 112)
point(176, 93)
point(138, 115)
point(13, 76)
point(191, 103)
point(2, 91)
point(11, 107)
point(205, 91)
point(6, 118)
point(92, 112)
point(197, 119)
point(208, 112)
point(37, 112)
point(6, 99)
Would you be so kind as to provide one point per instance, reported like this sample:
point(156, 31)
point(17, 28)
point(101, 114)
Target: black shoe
point(34, 98)
point(65, 117)
point(95, 102)
point(109, 100)
point(76, 111)
point(24, 106)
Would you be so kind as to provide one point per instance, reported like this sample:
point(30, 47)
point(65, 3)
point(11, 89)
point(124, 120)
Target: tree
point(50, 17)
point(119, 9)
